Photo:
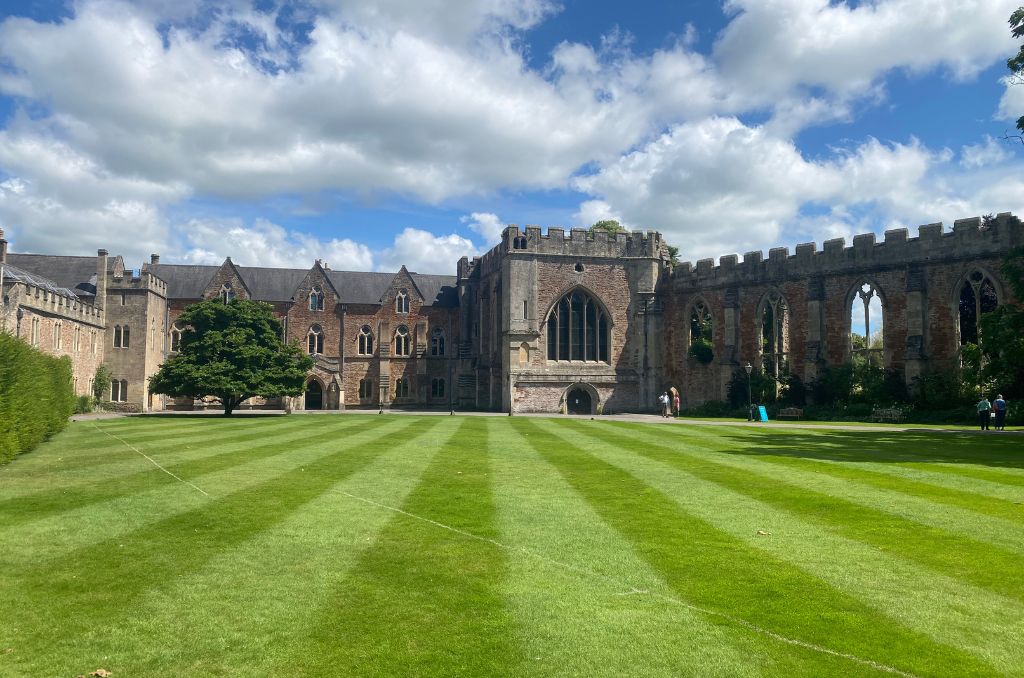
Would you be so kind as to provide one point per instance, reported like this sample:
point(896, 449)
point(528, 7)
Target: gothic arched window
point(402, 387)
point(437, 341)
point(316, 299)
point(578, 329)
point(315, 340)
point(365, 341)
point(701, 329)
point(977, 297)
point(866, 320)
point(773, 326)
point(402, 340)
point(227, 293)
point(402, 301)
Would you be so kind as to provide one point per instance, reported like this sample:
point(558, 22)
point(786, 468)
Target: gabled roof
point(74, 273)
point(188, 281)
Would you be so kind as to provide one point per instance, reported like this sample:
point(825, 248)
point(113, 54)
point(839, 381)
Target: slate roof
point(187, 281)
point(13, 273)
point(74, 273)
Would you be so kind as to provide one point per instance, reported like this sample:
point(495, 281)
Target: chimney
point(154, 259)
point(101, 279)
point(3, 248)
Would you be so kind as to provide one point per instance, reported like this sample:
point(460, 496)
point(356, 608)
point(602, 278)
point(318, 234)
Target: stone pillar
point(730, 359)
point(814, 350)
point(917, 307)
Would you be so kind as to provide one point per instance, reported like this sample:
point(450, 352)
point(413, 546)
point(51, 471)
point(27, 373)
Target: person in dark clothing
point(1000, 409)
point(984, 412)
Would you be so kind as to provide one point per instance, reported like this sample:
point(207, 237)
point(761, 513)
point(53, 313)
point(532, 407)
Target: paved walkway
point(639, 418)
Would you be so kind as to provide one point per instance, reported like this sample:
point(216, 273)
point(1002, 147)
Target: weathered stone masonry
point(555, 321)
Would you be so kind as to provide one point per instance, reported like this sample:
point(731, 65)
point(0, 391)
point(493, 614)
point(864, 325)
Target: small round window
point(578, 268)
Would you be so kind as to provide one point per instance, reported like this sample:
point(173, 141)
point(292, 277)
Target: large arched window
point(866, 325)
point(402, 387)
point(402, 340)
point(437, 341)
point(316, 299)
point(402, 301)
point(227, 293)
point(774, 326)
point(365, 341)
point(977, 297)
point(701, 333)
point(315, 340)
point(578, 329)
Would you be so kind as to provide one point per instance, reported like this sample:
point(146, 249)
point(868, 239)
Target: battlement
point(580, 242)
point(140, 279)
point(968, 239)
point(46, 299)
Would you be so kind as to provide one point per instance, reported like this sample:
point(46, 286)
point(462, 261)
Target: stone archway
point(580, 398)
point(314, 395)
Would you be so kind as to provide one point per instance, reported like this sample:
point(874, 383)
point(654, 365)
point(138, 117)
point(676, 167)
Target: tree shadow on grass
point(992, 450)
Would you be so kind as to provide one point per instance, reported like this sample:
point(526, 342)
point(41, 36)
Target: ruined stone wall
point(917, 279)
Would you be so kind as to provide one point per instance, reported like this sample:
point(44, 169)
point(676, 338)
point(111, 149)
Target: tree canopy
point(1002, 334)
point(1016, 63)
point(608, 225)
point(232, 351)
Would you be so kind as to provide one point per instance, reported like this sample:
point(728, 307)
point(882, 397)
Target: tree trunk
point(229, 405)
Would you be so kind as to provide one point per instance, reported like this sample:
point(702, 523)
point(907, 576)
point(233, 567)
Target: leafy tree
point(1016, 63)
point(101, 383)
point(607, 225)
point(673, 254)
point(232, 351)
point(1002, 334)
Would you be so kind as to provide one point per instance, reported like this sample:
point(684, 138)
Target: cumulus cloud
point(989, 152)
point(424, 252)
point(486, 224)
point(209, 241)
point(720, 186)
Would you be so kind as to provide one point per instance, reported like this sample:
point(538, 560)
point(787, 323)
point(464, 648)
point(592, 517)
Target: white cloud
point(990, 152)
point(424, 252)
point(209, 241)
point(719, 186)
point(774, 46)
point(486, 224)
point(592, 211)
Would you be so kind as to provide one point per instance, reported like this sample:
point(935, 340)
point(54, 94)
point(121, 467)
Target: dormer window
point(227, 294)
point(402, 301)
point(316, 299)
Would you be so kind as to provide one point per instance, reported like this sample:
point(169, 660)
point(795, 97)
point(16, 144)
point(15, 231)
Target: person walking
point(676, 403)
point(1000, 408)
point(984, 412)
point(664, 401)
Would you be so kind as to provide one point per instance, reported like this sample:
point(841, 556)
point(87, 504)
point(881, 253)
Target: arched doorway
point(578, 401)
point(314, 395)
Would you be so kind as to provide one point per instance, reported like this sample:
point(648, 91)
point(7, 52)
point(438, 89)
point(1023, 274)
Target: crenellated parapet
point(579, 242)
point(968, 239)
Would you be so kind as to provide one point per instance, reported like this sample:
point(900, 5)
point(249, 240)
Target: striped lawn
point(431, 545)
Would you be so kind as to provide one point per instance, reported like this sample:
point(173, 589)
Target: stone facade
point(578, 321)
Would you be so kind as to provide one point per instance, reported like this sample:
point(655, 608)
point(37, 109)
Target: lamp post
point(750, 403)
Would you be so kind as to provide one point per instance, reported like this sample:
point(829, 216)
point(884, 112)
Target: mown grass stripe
point(712, 568)
point(979, 563)
point(154, 557)
point(257, 597)
point(743, 453)
point(23, 509)
point(440, 592)
point(575, 623)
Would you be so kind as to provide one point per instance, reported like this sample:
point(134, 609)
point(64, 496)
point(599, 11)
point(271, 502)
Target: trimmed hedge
point(36, 396)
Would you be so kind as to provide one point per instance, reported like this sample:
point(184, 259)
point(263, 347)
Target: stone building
point(578, 321)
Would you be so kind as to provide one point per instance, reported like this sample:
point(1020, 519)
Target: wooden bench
point(791, 413)
point(892, 414)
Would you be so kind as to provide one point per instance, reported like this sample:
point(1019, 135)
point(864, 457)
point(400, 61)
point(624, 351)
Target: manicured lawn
point(434, 545)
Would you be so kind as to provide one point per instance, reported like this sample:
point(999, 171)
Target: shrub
point(763, 388)
point(36, 396)
point(83, 404)
point(702, 351)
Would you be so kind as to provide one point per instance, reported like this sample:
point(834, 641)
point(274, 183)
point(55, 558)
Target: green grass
point(430, 545)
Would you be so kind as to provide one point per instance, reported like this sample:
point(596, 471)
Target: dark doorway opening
point(579, 402)
point(314, 395)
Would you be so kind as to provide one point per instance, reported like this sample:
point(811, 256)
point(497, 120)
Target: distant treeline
point(36, 396)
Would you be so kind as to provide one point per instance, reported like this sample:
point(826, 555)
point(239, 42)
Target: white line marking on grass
point(632, 590)
point(151, 460)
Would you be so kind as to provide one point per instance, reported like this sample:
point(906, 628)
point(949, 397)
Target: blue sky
point(375, 133)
